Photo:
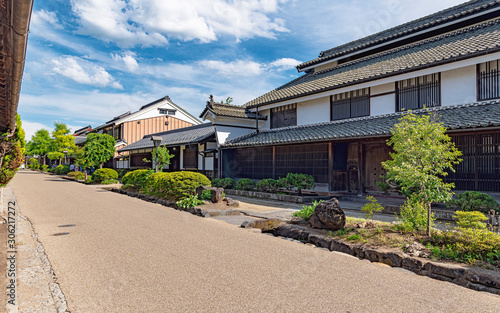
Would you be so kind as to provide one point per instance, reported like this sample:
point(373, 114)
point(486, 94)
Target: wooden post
point(330, 166)
point(476, 161)
point(274, 162)
point(361, 169)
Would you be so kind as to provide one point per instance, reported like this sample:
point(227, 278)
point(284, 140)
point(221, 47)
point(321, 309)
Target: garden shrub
point(207, 194)
point(473, 219)
point(77, 175)
point(121, 172)
point(189, 202)
point(474, 201)
point(268, 185)
point(371, 207)
point(227, 183)
point(103, 174)
point(307, 210)
point(175, 185)
point(414, 216)
point(300, 181)
point(61, 169)
point(245, 184)
point(137, 179)
point(45, 168)
point(216, 182)
point(466, 245)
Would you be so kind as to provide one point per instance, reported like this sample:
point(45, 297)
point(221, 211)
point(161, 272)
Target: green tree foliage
point(472, 219)
point(98, 149)
point(474, 201)
point(62, 143)
point(162, 157)
point(371, 207)
point(40, 144)
point(423, 154)
point(300, 181)
point(12, 147)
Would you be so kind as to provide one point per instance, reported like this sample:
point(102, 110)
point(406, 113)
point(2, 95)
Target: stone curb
point(470, 277)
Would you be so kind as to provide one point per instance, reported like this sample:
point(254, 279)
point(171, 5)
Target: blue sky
point(91, 60)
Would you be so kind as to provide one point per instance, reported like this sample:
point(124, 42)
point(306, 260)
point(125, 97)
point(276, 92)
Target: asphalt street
point(128, 255)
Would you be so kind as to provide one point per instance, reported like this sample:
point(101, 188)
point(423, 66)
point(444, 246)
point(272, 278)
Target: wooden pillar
point(274, 162)
point(361, 169)
point(330, 166)
point(476, 161)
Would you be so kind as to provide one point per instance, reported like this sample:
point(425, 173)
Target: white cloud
point(284, 64)
point(151, 22)
point(39, 19)
point(128, 58)
point(231, 69)
point(31, 127)
point(84, 72)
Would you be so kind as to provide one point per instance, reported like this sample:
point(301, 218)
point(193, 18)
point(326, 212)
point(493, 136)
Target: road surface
point(128, 255)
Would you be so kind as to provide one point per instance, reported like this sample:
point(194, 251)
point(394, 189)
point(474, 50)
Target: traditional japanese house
point(333, 121)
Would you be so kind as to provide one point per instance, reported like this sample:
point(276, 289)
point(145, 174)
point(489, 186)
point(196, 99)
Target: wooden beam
point(274, 162)
point(361, 168)
point(330, 166)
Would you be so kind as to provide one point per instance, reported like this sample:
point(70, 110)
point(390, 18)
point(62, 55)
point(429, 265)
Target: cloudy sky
point(91, 60)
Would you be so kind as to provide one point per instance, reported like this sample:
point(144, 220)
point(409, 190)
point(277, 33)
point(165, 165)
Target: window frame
point(418, 88)
point(348, 99)
point(492, 82)
point(282, 111)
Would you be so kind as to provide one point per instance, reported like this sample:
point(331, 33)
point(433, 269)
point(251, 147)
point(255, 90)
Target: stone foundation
point(274, 196)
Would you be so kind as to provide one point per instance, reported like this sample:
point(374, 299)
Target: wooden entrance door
point(374, 155)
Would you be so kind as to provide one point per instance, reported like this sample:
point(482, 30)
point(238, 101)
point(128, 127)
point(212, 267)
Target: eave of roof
point(461, 44)
point(445, 16)
point(181, 136)
point(229, 110)
point(460, 117)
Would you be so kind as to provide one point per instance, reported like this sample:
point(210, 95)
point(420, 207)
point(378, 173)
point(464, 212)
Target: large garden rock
point(328, 215)
point(216, 193)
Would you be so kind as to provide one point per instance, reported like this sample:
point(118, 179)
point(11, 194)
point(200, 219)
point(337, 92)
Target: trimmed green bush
point(300, 181)
point(122, 172)
point(77, 175)
point(216, 182)
point(103, 174)
point(474, 201)
point(45, 168)
point(175, 185)
point(473, 219)
point(268, 185)
point(61, 169)
point(245, 184)
point(137, 179)
point(227, 183)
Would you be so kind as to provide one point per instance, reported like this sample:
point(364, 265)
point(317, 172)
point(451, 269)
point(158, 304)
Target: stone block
point(448, 270)
point(215, 192)
point(392, 258)
point(321, 241)
point(342, 247)
point(413, 264)
point(484, 277)
point(263, 224)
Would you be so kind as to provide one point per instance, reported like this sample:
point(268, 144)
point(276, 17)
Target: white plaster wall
point(376, 90)
point(211, 145)
point(266, 124)
point(458, 86)
point(383, 105)
point(225, 133)
point(313, 111)
point(209, 164)
point(155, 112)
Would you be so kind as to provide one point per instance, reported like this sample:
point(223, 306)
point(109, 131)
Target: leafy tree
point(62, 141)
point(162, 157)
point(12, 147)
point(423, 154)
point(229, 100)
point(98, 149)
point(40, 144)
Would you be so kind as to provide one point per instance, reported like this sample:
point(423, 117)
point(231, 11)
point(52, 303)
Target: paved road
point(126, 255)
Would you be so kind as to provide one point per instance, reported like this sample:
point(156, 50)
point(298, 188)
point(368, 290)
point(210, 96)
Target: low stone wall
point(274, 196)
point(470, 277)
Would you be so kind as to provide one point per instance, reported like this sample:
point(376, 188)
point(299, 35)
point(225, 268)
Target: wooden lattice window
point(284, 116)
point(309, 159)
point(255, 163)
point(419, 92)
point(489, 80)
point(350, 104)
point(190, 158)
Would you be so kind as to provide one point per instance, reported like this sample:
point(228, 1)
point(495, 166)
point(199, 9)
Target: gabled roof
point(80, 139)
point(462, 44)
point(145, 108)
point(228, 110)
point(446, 16)
point(82, 131)
point(182, 136)
point(476, 115)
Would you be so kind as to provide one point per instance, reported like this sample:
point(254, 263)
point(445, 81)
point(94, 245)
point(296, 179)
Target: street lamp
point(156, 142)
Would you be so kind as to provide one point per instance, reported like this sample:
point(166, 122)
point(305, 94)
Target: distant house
point(81, 135)
point(333, 121)
point(194, 149)
point(158, 116)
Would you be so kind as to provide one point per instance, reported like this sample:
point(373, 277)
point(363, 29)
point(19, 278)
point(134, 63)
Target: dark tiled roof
point(181, 136)
point(221, 109)
point(461, 44)
point(441, 17)
point(80, 139)
point(477, 115)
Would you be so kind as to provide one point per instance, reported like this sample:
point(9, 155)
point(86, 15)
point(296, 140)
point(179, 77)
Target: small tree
point(12, 147)
point(63, 142)
point(39, 144)
point(423, 154)
point(162, 157)
point(98, 149)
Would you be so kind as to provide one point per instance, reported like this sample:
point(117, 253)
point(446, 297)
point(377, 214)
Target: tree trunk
point(100, 166)
point(428, 219)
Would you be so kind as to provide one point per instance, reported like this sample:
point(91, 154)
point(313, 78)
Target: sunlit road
point(127, 255)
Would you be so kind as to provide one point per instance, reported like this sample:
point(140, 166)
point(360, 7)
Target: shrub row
point(172, 186)
point(104, 174)
point(292, 180)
